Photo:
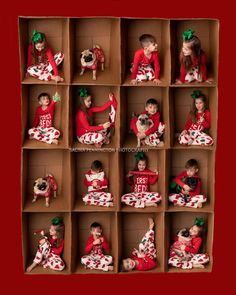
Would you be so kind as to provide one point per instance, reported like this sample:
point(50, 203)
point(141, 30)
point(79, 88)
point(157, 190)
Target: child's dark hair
point(145, 39)
point(192, 163)
point(95, 225)
point(151, 101)
point(195, 45)
point(144, 158)
point(40, 38)
point(96, 165)
point(83, 93)
point(194, 111)
point(43, 94)
point(59, 226)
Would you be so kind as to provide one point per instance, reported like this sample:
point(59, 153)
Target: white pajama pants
point(193, 75)
point(139, 200)
point(192, 202)
point(145, 73)
point(195, 137)
point(147, 244)
point(97, 261)
point(99, 137)
point(188, 264)
point(154, 138)
point(98, 199)
point(44, 134)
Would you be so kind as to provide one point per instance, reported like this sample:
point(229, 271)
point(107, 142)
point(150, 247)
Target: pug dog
point(90, 58)
point(44, 187)
point(143, 124)
point(183, 239)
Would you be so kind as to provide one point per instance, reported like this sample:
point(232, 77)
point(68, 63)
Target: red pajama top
point(180, 182)
point(144, 263)
point(155, 119)
point(141, 183)
point(101, 182)
point(193, 248)
point(49, 55)
point(54, 249)
point(43, 118)
point(95, 249)
point(141, 59)
point(206, 124)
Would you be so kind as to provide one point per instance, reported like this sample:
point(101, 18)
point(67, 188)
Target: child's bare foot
point(161, 144)
point(198, 265)
point(46, 204)
point(98, 145)
point(151, 223)
point(151, 204)
point(33, 265)
point(110, 267)
point(57, 79)
point(199, 205)
point(111, 204)
point(55, 141)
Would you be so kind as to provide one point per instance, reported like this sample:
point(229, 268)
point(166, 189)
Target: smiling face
point(187, 48)
point(151, 109)
point(128, 264)
point(44, 101)
point(142, 165)
point(88, 102)
point(151, 47)
point(52, 231)
point(199, 104)
point(40, 46)
point(194, 231)
point(191, 171)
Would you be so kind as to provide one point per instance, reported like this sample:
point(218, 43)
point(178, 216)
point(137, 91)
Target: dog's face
point(143, 123)
point(41, 185)
point(184, 235)
point(87, 57)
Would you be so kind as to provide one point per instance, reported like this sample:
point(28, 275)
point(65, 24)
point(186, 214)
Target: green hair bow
point(196, 94)
point(37, 37)
point(199, 222)
point(188, 35)
point(83, 92)
point(139, 156)
point(57, 220)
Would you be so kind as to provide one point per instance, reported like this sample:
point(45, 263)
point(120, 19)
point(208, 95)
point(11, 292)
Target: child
point(192, 60)
point(152, 135)
point(145, 257)
point(51, 247)
point(86, 132)
point(143, 58)
point(183, 238)
point(95, 245)
point(185, 194)
point(198, 120)
point(96, 182)
point(141, 197)
point(193, 259)
point(42, 126)
point(41, 61)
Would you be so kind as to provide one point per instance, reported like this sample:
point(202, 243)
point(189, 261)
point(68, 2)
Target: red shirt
point(156, 121)
point(141, 183)
point(101, 182)
point(95, 249)
point(43, 118)
point(195, 62)
point(56, 250)
point(206, 124)
point(49, 55)
point(144, 263)
point(82, 124)
point(195, 245)
point(180, 182)
point(141, 59)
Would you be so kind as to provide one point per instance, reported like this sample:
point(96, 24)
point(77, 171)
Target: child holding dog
point(140, 179)
point(152, 136)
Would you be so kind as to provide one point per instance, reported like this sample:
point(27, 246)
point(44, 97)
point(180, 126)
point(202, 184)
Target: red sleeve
point(197, 189)
point(81, 120)
point(86, 182)
point(136, 61)
point(146, 263)
point(179, 177)
point(182, 71)
point(29, 61)
point(105, 244)
point(103, 182)
point(52, 61)
point(196, 244)
point(203, 68)
point(36, 118)
point(152, 179)
point(89, 245)
point(156, 121)
point(101, 108)
point(188, 123)
point(133, 125)
point(58, 250)
point(130, 180)
point(156, 64)
point(207, 123)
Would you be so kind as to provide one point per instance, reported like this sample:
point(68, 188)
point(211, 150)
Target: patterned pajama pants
point(154, 138)
point(44, 134)
point(44, 71)
point(97, 261)
point(99, 137)
point(193, 75)
point(147, 245)
point(193, 202)
point(145, 73)
point(139, 200)
point(45, 257)
point(188, 264)
point(98, 199)
point(195, 137)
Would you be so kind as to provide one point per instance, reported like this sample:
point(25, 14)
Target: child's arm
point(52, 61)
point(153, 178)
point(89, 245)
point(194, 248)
point(101, 108)
point(36, 119)
point(188, 123)
point(197, 189)
point(130, 180)
point(207, 122)
point(156, 65)
point(105, 244)
point(136, 61)
point(58, 250)
point(156, 122)
point(81, 119)
point(87, 182)
point(182, 71)
point(103, 182)
point(203, 68)
point(178, 178)
point(134, 126)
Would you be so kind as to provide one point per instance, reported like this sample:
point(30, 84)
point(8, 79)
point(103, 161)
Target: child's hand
point(111, 96)
point(184, 192)
point(129, 175)
point(94, 183)
point(178, 82)
point(97, 242)
point(209, 81)
point(42, 232)
point(182, 247)
point(102, 239)
point(42, 241)
point(134, 82)
point(187, 188)
point(135, 252)
point(157, 81)
point(184, 132)
point(156, 171)
point(106, 125)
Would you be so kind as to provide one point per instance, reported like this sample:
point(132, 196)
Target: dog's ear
point(81, 55)
point(35, 183)
point(44, 179)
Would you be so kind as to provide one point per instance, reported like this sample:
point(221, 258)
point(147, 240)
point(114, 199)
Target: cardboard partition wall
point(156, 160)
point(131, 30)
point(84, 34)
point(100, 95)
point(208, 33)
point(30, 104)
point(133, 100)
point(178, 220)
point(56, 31)
point(176, 160)
point(81, 223)
point(39, 163)
point(181, 104)
point(34, 222)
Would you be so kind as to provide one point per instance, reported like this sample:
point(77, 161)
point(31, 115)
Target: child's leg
point(99, 262)
point(141, 75)
point(196, 201)
point(40, 72)
point(92, 138)
point(202, 138)
point(150, 198)
point(54, 262)
point(149, 72)
point(98, 199)
point(191, 75)
point(177, 199)
point(152, 139)
point(198, 260)
point(147, 244)
point(133, 199)
point(58, 57)
point(185, 138)
point(43, 252)
point(44, 134)
point(179, 263)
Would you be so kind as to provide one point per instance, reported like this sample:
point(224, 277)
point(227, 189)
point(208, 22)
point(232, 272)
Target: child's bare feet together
point(111, 204)
point(199, 205)
point(110, 267)
point(55, 141)
point(151, 204)
point(161, 144)
point(151, 223)
point(98, 145)
point(198, 265)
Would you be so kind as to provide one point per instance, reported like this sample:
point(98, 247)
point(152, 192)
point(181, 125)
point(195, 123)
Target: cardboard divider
point(176, 161)
point(81, 232)
point(60, 121)
point(131, 30)
point(88, 32)
point(57, 33)
point(178, 220)
point(132, 228)
point(180, 106)
point(100, 95)
point(156, 160)
point(39, 163)
point(32, 222)
point(207, 31)
point(82, 164)
point(133, 100)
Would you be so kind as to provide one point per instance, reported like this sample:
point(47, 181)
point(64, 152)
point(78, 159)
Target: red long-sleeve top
point(43, 118)
point(144, 263)
point(195, 245)
point(156, 121)
point(82, 123)
point(141, 59)
point(101, 183)
point(183, 175)
point(49, 55)
point(195, 62)
point(54, 249)
point(95, 249)
point(141, 183)
point(206, 124)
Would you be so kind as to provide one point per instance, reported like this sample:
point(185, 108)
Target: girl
point(192, 259)
point(140, 179)
point(41, 61)
point(50, 247)
point(198, 120)
point(86, 132)
point(192, 60)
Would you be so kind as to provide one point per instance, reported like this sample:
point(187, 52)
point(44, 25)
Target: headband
point(188, 35)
